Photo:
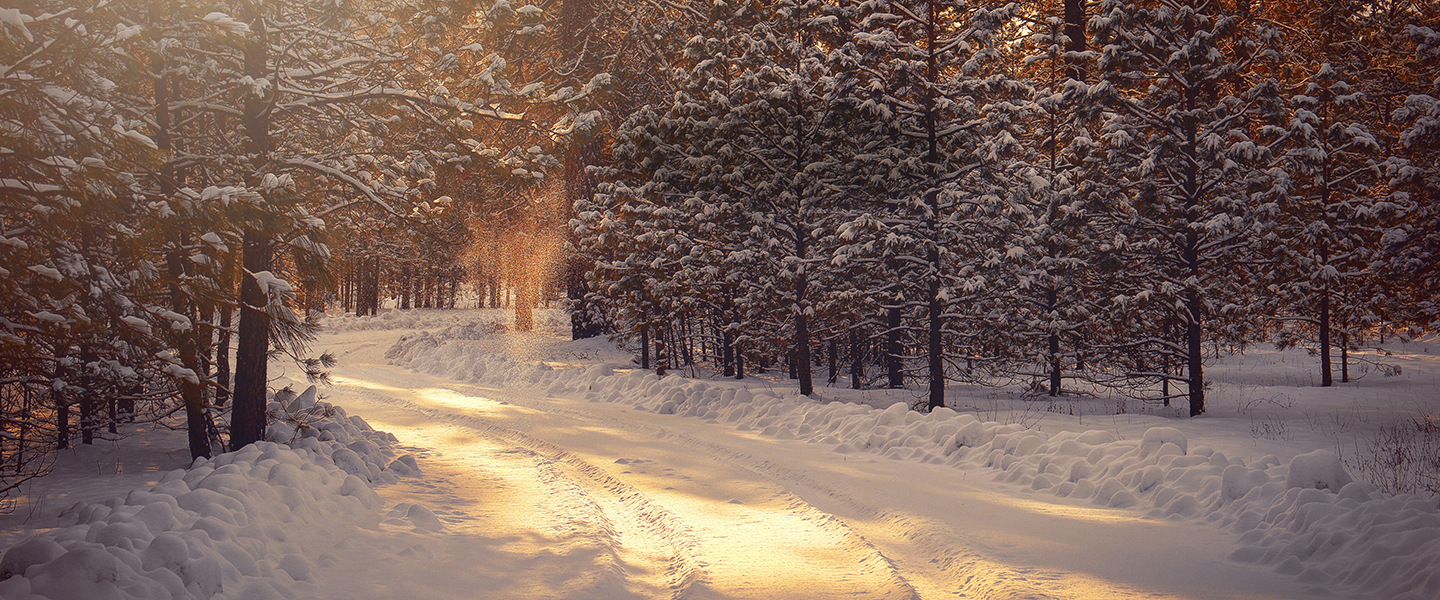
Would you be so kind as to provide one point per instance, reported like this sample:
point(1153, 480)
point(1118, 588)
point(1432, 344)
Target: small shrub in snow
point(1402, 457)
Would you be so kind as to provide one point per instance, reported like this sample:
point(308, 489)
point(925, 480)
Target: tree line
point(1101, 193)
point(1104, 193)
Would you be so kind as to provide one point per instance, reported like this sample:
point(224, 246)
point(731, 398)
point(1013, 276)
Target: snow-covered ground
point(452, 459)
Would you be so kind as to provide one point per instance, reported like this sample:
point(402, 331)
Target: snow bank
point(305, 423)
point(1304, 518)
point(493, 320)
point(244, 524)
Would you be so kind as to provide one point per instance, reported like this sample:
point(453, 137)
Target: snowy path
point(557, 498)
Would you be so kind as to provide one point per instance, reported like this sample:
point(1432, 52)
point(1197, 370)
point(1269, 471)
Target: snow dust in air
point(517, 255)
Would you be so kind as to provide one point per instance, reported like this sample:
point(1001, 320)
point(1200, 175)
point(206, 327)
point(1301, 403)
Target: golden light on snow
point(1079, 513)
point(454, 399)
point(616, 504)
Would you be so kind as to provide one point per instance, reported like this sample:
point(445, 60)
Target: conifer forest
point(1068, 195)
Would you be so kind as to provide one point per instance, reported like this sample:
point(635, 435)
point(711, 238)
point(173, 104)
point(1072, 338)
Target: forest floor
point(551, 468)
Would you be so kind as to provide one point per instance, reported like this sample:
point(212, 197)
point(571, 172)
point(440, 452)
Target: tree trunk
point(857, 358)
point(62, 421)
point(689, 329)
point(800, 357)
point(1196, 366)
point(222, 345)
point(739, 364)
point(1075, 30)
point(192, 394)
point(834, 361)
point(935, 347)
point(644, 343)
point(374, 286)
point(1326, 379)
point(727, 341)
point(525, 306)
point(1165, 379)
point(662, 350)
point(893, 348)
point(1193, 306)
point(222, 356)
point(247, 423)
point(87, 398)
point(1055, 378)
point(113, 413)
point(1345, 356)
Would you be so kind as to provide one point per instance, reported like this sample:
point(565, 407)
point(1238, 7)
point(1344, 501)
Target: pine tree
point(933, 86)
point(1051, 259)
point(1184, 212)
point(1413, 247)
point(75, 324)
point(1337, 212)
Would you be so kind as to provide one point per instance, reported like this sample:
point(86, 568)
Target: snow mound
point(1306, 518)
point(236, 526)
point(1320, 469)
point(305, 423)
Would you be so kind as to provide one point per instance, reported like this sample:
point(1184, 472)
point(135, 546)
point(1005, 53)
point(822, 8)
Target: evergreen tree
point(1336, 212)
point(1184, 210)
point(931, 83)
point(1054, 298)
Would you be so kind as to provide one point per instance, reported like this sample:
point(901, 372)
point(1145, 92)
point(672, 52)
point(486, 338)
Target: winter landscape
point(689, 299)
point(452, 458)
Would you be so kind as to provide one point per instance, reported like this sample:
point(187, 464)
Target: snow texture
point(1304, 518)
point(236, 526)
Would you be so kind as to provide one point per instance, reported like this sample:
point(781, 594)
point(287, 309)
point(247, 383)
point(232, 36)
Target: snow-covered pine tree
point(1338, 207)
point(1413, 247)
point(1183, 211)
point(931, 81)
point(1053, 299)
point(730, 185)
point(75, 328)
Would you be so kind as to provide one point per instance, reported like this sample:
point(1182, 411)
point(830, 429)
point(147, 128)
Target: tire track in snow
point(845, 559)
point(921, 553)
point(874, 563)
point(684, 575)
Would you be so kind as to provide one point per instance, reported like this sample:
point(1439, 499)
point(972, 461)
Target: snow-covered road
point(555, 497)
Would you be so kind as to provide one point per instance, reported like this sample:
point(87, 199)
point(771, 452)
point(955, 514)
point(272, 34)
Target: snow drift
point(245, 524)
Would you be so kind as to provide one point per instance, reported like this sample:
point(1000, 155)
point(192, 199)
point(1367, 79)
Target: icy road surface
point(544, 497)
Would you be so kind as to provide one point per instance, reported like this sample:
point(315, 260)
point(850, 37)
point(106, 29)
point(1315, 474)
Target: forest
point(1074, 195)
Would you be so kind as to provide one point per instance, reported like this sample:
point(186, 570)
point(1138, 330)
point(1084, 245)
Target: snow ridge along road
point(597, 500)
